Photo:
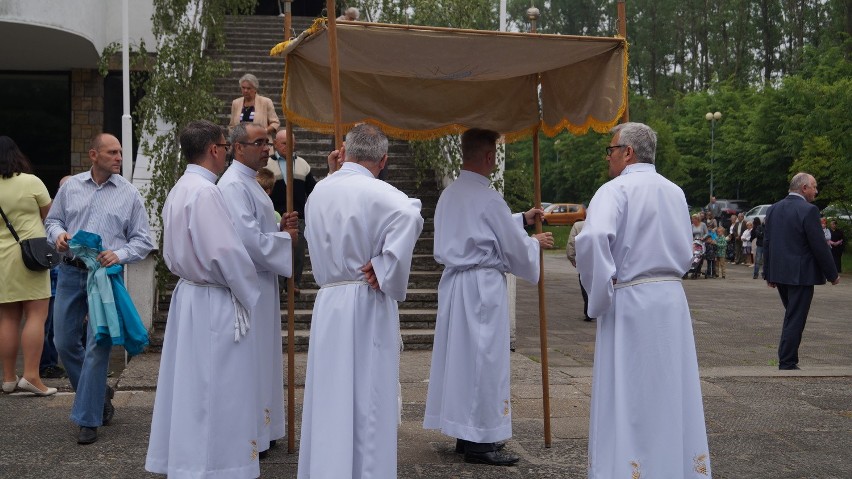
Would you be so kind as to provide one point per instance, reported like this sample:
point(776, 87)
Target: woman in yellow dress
point(24, 293)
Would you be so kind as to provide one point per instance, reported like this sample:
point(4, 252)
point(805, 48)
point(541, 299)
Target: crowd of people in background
point(742, 242)
point(715, 246)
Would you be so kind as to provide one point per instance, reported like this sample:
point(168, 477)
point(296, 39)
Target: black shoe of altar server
point(492, 458)
point(461, 443)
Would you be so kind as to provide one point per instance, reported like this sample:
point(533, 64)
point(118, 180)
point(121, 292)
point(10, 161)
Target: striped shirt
point(113, 210)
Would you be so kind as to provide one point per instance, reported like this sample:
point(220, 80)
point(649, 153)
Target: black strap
point(9, 225)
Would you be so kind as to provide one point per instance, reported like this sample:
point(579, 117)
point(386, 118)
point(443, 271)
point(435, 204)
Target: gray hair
point(251, 79)
point(640, 137)
point(367, 143)
point(799, 181)
point(240, 132)
point(353, 11)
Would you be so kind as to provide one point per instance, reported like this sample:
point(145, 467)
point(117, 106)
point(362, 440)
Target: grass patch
point(560, 237)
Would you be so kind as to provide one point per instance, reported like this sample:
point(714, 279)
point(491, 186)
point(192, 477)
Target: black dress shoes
point(789, 368)
point(87, 435)
point(109, 409)
point(461, 443)
point(493, 458)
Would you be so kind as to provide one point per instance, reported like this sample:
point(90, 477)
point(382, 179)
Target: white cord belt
point(241, 321)
point(344, 283)
point(645, 280)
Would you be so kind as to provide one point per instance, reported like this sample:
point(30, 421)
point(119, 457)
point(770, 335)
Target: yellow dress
point(21, 196)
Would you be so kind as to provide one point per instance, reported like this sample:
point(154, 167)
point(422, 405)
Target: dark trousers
point(585, 298)
point(299, 255)
point(797, 303)
point(738, 252)
point(49, 356)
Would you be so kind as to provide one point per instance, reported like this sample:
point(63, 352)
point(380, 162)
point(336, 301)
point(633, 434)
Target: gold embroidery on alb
point(700, 464)
point(637, 474)
point(253, 450)
point(506, 407)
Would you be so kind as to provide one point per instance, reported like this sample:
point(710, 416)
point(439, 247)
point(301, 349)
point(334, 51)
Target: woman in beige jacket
point(253, 108)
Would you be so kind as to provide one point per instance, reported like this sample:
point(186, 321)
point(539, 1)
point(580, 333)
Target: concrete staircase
point(248, 41)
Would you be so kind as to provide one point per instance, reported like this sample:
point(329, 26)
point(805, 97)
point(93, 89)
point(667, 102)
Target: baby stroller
point(697, 259)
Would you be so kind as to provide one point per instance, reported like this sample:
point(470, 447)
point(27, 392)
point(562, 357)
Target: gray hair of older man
point(640, 137)
point(251, 79)
point(240, 132)
point(367, 143)
point(799, 181)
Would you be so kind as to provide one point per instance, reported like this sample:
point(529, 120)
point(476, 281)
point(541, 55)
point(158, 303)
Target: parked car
point(731, 207)
point(563, 214)
point(757, 212)
point(837, 211)
point(545, 204)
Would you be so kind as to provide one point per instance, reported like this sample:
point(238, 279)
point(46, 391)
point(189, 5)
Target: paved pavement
point(762, 423)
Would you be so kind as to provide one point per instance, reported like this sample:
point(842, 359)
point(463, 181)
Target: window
point(36, 114)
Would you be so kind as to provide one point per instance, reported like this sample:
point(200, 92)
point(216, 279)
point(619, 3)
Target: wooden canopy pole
point(622, 31)
point(291, 285)
point(533, 14)
point(542, 310)
point(335, 74)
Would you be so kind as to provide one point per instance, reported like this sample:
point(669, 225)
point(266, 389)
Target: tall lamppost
point(712, 118)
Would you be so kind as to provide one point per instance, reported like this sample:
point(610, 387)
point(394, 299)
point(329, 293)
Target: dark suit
point(796, 257)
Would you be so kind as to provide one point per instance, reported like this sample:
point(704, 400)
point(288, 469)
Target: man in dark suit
point(796, 258)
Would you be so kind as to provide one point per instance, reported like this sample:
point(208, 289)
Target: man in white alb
point(270, 246)
point(478, 241)
point(646, 414)
point(361, 233)
point(204, 422)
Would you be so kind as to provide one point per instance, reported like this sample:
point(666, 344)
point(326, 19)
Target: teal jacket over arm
point(112, 315)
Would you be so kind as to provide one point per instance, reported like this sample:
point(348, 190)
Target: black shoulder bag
point(37, 253)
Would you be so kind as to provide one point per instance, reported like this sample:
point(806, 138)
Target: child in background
point(266, 179)
point(710, 254)
point(721, 248)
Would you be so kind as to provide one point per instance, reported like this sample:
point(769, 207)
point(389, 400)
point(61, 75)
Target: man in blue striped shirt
point(100, 201)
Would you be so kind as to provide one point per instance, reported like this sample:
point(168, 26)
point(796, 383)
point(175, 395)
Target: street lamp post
point(712, 118)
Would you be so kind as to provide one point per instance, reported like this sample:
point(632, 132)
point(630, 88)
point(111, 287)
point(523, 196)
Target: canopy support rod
point(542, 310)
point(335, 74)
point(291, 285)
point(622, 31)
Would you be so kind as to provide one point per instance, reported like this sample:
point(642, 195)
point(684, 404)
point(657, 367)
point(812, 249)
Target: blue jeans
point(758, 259)
point(87, 366)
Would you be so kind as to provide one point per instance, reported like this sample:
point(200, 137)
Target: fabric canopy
point(422, 82)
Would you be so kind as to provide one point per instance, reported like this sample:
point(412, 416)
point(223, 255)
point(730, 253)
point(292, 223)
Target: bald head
point(805, 185)
point(280, 142)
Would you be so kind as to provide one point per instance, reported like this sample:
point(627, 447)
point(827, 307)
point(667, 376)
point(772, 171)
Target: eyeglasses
point(610, 149)
point(223, 145)
point(259, 143)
